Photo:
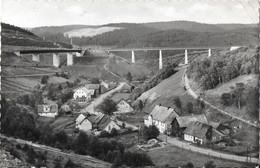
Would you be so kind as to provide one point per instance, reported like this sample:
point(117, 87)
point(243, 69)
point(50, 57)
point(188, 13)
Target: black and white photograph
point(129, 83)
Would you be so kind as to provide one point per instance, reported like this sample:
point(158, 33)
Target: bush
point(108, 106)
point(104, 134)
point(150, 132)
point(44, 79)
point(114, 132)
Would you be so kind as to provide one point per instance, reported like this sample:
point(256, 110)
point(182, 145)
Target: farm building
point(200, 133)
point(50, 110)
point(179, 124)
point(123, 107)
point(100, 122)
point(126, 88)
point(161, 117)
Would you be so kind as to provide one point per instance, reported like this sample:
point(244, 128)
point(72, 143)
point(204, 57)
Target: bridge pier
point(36, 57)
point(69, 59)
point(133, 57)
point(186, 57)
point(78, 54)
point(56, 60)
point(209, 53)
point(160, 60)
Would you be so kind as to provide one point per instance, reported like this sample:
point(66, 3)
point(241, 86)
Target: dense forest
point(179, 33)
point(8, 27)
point(223, 67)
point(16, 36)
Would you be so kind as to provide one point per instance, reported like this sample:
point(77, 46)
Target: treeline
point(27, 42)
point(209, 72)
point(155, 80)
point(17, 122)
point(136, 35)
point(6, 27)
point(121, 37)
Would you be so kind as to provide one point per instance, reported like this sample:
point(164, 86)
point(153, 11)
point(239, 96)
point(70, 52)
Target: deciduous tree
point(108, 106)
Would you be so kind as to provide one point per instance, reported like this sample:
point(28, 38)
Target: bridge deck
point(48, 51)
point(164, 48)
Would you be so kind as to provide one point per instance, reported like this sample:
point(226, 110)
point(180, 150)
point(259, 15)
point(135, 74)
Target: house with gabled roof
point(161, 117)
point(180, 123)
point(197, 132)
point(47, 110)
point(83, 124)
point(103, 122)
point(126, 88)
point(82, 94)
point(123, 107)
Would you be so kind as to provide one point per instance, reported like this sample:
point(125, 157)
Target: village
point(89, 118)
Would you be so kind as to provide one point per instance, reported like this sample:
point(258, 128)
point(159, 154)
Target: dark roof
point(163, 114)
point(100, 120)
point(94, 119)
point(185, 120)
point(104, 122)
point(197, 129)
point(92, 86)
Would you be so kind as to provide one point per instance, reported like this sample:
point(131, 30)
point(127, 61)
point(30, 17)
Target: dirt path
point(195, 96)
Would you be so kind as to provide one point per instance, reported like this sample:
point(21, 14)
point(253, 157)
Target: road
point(97, 101)
point(85, 159)
point(209, 152)
point(195, 96)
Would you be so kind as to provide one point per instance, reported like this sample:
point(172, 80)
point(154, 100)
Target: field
point(89, 32)
point(121, 67)
point(118, 96)
point(174, 156)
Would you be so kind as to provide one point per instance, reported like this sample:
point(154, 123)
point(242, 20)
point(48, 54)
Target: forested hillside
point(16, 36)
point(223, 67)
point(176, 33)
point(185, 25)
point(228, 80)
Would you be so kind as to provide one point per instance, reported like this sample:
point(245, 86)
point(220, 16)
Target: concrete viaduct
point(160, 49)
point(56, 57)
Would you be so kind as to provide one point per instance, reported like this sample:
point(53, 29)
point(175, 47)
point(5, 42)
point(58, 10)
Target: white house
point(161, 117)
point(83, 94)
point(234, 48)
point(82, 123)
point(123, 107)
point(47, 110)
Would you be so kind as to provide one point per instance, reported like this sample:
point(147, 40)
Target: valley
point(101, 104)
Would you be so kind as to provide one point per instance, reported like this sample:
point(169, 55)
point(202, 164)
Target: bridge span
point(160, 49)
point(56, 54)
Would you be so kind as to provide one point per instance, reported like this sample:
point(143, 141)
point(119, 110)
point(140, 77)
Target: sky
point(36, 13)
